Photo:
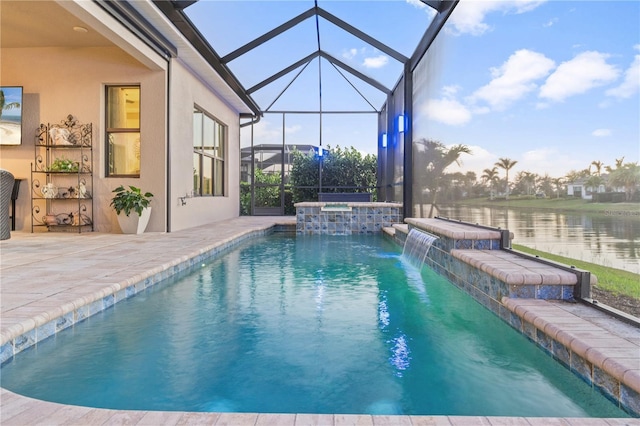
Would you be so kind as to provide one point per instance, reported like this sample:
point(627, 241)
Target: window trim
point(205, 153)
point(116, 130)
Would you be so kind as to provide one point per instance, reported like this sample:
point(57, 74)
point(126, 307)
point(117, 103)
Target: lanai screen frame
point(399, 99)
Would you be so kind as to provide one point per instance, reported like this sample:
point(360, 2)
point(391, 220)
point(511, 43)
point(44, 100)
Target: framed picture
point(10, 115)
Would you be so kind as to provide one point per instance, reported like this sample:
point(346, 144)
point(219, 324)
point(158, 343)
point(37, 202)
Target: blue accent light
point(401, 123)
point(320, 151)
point(384, 140)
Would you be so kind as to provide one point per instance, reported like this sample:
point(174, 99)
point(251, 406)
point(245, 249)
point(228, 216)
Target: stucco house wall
point(187, 91)
point(60, 81)
point(63, 80)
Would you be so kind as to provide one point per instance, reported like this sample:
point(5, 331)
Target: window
point(123, 131)
point(209, 149)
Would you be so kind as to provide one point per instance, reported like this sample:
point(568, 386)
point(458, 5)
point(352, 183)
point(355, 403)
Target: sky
point(553, 85)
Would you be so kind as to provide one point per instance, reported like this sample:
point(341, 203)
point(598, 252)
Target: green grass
point(613, 280)
point(561, 204)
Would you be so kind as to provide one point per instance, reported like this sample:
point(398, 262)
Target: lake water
point(611, 240)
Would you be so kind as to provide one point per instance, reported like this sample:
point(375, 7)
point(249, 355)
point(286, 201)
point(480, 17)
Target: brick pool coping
point(44, 275)
point(514, 270)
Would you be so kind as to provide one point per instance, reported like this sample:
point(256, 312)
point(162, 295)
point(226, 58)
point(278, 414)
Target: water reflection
point(606, 240)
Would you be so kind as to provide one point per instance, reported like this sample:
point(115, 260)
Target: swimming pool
point(281, 325)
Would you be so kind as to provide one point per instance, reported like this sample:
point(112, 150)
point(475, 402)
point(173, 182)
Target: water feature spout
point(417, 245)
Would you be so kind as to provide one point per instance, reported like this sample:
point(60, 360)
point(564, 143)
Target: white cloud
point(349, 53)
point(431, 12)
point(550, 22)
point(599, 133)
point(631, 83)
point(479, 160)
point(376, 62)
point(544, 160)
point(417, 4)
point(470, 14)
point(447, 111)
point(451, 90)
point(547, 160)
point(292, 129)
point(582, 73)
point(514, 79)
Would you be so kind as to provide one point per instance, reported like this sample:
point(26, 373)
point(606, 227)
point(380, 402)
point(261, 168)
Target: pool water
point(313, 324)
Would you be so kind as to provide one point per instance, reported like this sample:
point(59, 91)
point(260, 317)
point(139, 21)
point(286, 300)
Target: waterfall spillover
point(416, 247)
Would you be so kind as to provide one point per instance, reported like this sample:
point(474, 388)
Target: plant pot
point(134, 224)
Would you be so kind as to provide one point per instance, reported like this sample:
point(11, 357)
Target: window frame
point(120, 130)
point(214, 154)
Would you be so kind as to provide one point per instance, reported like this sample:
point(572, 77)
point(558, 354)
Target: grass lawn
point(561, 204)
point(613, 280)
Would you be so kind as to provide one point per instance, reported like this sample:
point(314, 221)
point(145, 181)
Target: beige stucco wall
point(185, 92)
point(62, 81)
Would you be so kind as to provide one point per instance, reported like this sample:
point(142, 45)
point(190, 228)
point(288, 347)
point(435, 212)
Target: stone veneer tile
point(549, 292)
point(24, 341)
point(608, 385)
point(522, 291)
point(515, 321)
point(108, 301)
point(544, 341)
point(95, 307)
point(46, 330)
point(6, 352)
point(529, 330)
point(582, 368)
point(630, 399)
point(82, 313)
point(64, 321)
point(561, 353)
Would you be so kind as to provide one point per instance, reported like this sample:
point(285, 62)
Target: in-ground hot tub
point(346, 218)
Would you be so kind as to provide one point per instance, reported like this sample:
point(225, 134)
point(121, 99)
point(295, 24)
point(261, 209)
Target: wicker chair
point(6, 189)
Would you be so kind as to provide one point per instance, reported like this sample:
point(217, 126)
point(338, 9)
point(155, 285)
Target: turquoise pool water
point(312, 324)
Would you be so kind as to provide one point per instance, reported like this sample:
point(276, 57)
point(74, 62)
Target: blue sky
point(552, 84)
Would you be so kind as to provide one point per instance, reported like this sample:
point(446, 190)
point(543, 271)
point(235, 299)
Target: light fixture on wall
point(384, 140)
point(401, 123)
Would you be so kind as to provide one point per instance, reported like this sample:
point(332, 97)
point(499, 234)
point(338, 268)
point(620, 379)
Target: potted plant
point(130, 200)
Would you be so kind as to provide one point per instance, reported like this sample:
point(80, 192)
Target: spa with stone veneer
point(346, 218)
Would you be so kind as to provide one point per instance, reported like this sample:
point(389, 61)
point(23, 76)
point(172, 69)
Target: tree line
point(348, 170)
point(432, 158)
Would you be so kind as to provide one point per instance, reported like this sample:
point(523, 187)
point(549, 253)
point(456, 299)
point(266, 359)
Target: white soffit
point(99, 20)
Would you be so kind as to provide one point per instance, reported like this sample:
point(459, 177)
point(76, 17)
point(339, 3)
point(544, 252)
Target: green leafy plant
point(64, 165)
point(132, 199)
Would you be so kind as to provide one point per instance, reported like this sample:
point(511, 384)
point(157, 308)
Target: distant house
point(580, 189)
point(270, 158)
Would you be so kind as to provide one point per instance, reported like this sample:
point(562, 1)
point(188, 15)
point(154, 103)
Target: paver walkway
point(41, 273)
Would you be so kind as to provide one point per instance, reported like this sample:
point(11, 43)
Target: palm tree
point(628, 177)
point(598, 165)
point(558, 182)
point(490, 176)
point(4, 105)
point(527, 179)
point(506, 164)
point(619, 162)
point(435, 157)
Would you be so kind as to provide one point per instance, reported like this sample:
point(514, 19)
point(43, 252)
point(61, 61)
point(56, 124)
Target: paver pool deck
point(42, 275)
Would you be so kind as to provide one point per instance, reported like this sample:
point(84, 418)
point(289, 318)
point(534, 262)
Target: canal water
point(610, 239)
